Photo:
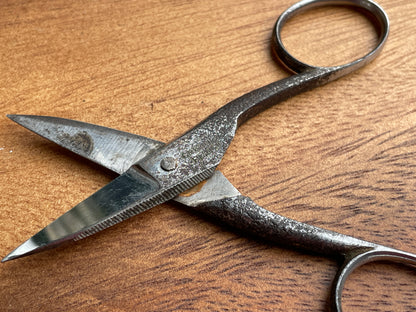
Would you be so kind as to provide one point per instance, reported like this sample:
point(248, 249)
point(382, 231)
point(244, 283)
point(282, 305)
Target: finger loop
point(361, 257)
point(298, 66)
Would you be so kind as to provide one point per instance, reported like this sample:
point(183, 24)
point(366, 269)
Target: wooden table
point(342, 157)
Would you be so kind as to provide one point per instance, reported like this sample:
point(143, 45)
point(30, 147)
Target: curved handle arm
point(308, 77)
point(241, 212)
point(194, 156)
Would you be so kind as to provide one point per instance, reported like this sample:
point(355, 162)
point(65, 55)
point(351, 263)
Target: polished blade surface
point(217, 187)
point(113, 149)
point(127, 195)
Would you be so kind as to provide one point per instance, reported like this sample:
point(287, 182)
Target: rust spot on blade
point(192, 191)
point(80, 141)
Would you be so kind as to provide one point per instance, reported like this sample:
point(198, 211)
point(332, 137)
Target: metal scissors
point(184, 170)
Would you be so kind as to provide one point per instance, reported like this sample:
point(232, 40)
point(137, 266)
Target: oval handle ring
point(361, 257)
point(297, 66)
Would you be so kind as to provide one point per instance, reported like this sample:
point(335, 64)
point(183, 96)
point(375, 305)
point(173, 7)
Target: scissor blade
point(55, 128)
point(113, 149)
point(107, 206)
point(114, 203)
point(128, 195)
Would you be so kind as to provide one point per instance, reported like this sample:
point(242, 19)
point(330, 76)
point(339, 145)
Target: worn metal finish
point(297, 66)
point(153, 172)
point(113, 149)
point(116, 150)
point(242, 213)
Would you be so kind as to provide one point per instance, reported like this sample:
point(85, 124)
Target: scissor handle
point(243, 213)
point(359, 257)
point(197, 153)
point(308, 77)
point(298, 66)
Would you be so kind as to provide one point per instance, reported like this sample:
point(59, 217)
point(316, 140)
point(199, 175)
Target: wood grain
point(342, 157)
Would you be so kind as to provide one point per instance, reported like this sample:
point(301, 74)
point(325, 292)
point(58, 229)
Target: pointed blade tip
point(11, 256)
point(11, 116)
point(27, 248)
point(8, 258)
point(16, 117)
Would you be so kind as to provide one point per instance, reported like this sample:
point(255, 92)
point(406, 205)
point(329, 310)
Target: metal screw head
point(168, 163)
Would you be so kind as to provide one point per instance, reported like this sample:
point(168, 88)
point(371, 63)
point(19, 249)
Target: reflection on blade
point(117, 155)
point(126, 196)
point(113, 149)
point(217, 187)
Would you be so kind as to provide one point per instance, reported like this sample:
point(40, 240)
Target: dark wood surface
point(342, 157)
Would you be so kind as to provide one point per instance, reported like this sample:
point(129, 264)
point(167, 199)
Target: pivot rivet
point(168, 163)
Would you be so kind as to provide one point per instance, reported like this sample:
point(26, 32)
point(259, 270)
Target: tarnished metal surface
point(108, 148)
point(380, 20)
point(241, 212)
point(159, 172)
point(113, 149)
point(193, 157)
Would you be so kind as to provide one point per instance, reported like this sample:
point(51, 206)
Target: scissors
point(184, 170)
